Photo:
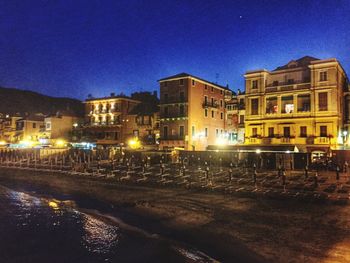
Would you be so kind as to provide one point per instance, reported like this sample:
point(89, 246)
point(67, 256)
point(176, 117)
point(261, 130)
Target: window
point(221, 92)
point(181, 81)
point(254, 132)
point(303, 131)
point(193, 82)
point(254, 84)
point(323, 131)
point(165, 84)
point(322, 101)
point(206, 100)
point(290, 81)
point(241, 119)
point(166, 111)
point(221, 104)
point(275, 83)
point(254, 106)
point(206, 132)
point(323, 76)
point(271, 105)
point(182, 110)
point(212, 101)
point(221, 115)
point(165, 97)
point(271, 132)
point(193, 131)
point(48, 126)
point(287, 104)
point(286, 132)
point(182, 96)
point(34, 125)
point(212, 114)
point(206, 112)
point(212, 89)
point(136, 133)
point(206, 86)
point(165, 132)
point(182, 131)
point(304, 103)
point(217, 132)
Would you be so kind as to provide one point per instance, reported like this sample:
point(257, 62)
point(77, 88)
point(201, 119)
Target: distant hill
point(14, 101)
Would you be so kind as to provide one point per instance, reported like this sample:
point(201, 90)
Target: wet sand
point(227, 228)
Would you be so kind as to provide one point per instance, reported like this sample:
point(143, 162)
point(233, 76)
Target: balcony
point(172, 138)
point(172, 100)
point(287, 87)
point(254, 140)
point(322, 140)
point(287, 140)
point(172, 115)
point(210, 105)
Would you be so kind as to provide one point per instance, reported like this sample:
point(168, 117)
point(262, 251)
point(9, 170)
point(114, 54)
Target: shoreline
point(224, 227)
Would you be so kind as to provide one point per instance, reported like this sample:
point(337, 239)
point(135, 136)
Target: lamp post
point(345, 133)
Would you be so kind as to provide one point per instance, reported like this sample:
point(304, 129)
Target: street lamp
point(345, 133)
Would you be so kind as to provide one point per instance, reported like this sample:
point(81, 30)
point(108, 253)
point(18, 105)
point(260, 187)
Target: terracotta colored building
point(192, 112)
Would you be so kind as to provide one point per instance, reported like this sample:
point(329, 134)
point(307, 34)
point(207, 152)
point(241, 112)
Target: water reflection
point(99, 237)
point(41, 229)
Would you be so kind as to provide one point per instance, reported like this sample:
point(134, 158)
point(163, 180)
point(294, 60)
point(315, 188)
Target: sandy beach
point(227, 228)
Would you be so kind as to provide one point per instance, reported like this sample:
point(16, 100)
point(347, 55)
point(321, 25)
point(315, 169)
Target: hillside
point(23, 101)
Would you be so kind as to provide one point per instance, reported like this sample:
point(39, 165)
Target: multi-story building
point(107, 118)
point(235, 119)
point(299, 104)
point(117, 119)
point(29, 128)
point(58, 127)
point(192, 112)
point(8, 128)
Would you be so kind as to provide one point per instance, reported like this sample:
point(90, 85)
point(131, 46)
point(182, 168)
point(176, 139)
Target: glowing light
point(53, 205)
point(75, 125)
point(61, 143)
point(27, 143)
point(134, 143)
point(258, 151)
point(3, 143)
point(221, 141)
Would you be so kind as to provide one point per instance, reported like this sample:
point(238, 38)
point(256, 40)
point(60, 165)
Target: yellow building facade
point(299, 104)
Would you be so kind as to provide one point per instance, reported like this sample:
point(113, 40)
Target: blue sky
point(73, 48)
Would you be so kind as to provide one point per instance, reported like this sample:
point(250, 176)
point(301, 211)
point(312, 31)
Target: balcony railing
point(210, 105)
point(322, 140)
point(172, 115)
point(173, 100)
point(287, 87)
point(172, 138)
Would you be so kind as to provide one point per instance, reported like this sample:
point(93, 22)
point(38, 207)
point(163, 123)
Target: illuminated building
point(235, 111)
point(299, 104)
point(58, 127)
point(192, 112)
point(117, 119)
point(29, 128)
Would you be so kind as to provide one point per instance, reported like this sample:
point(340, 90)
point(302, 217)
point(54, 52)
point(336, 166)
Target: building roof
point(185, 75)
point(111, 97)
point(301, 62)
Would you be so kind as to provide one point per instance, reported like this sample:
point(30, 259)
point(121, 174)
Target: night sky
point(73, 48)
